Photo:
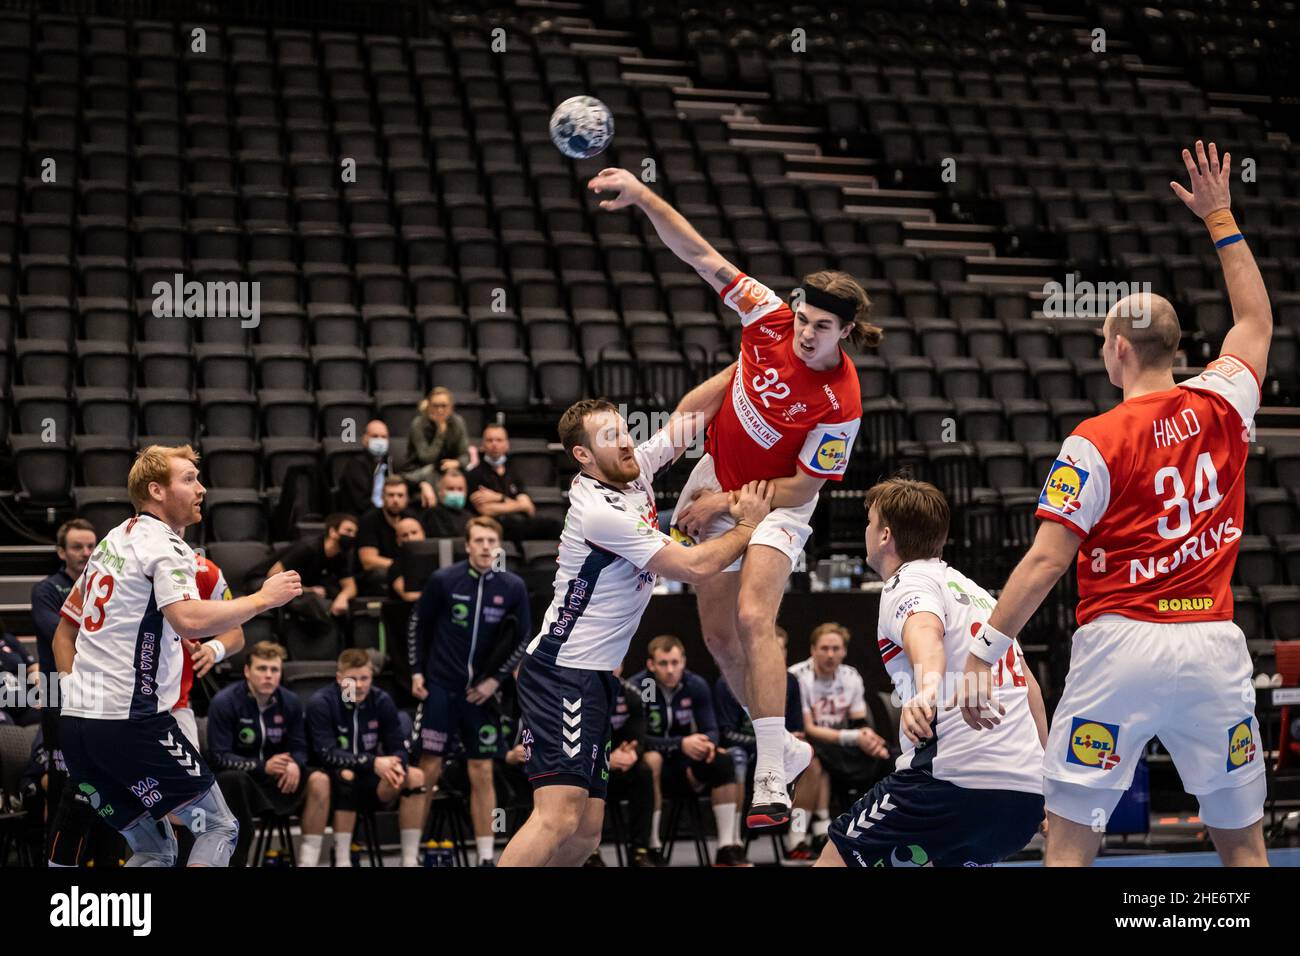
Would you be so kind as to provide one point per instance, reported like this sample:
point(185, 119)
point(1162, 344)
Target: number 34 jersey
point(1155, 487)
point(128, 665)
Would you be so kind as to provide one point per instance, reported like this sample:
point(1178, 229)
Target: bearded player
point(1150, 497)
point(791, 416)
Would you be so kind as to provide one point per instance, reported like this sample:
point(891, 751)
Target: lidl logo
point(1241, 745)
point(832, 453)
point(1064, 486)
point(1093, 744)
point(680, 536)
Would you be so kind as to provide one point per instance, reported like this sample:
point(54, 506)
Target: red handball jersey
point(781, 413)
point(211, 582)
point(1156, 489)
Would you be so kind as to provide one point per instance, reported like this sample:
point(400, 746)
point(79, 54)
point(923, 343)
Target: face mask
point(378, 447)
point(495, 462)
point(347, 542)
point(454, 500)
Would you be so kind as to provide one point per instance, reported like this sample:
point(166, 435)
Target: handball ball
point(581, 127)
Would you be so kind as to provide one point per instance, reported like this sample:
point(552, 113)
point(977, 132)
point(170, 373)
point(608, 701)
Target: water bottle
point(271, 858)
point(356, 854)
point(430, 853)
point(446, 853)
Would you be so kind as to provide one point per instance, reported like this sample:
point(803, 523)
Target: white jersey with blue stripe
point(128, 664)
point(602, 587)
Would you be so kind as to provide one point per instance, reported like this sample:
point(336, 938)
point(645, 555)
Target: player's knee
point(318, 785)
point(414, 778)
point(347, 776)
point(480, 772)
point(654, 761)
point(152, 844)
point(754, 623)
point(1234, 808)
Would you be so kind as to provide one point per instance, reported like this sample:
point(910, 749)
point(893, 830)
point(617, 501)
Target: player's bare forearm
point(65, 645)
point(197, 620)
point(232, 640)
point(822, 735)
point(1048, 558)
point(697, 408)
point(712, 557)
point(795, 490)
point(687, 244)
point(923, 645)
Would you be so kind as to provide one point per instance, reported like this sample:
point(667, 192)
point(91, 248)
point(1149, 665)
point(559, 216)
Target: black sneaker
point(643, 857)
point(594, 860)
point(801, 851)
point(484, 863)
point(731, 856)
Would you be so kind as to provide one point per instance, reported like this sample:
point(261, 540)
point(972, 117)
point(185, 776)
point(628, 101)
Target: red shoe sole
point(762, 821)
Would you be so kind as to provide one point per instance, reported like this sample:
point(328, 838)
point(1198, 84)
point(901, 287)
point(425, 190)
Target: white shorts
point(786, 529)
point(1188, 683)
point(184, 717)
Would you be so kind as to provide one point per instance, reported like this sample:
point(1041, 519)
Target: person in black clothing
point(682, 737)
point(82, 834)
point(326, 565)
point(630, 777)
point(449, 517)
point(19, 680)
point(497, 492)
point(355, 732)
point(361, 483)
point(257, 744)
point(408, 530)
point(377, 536)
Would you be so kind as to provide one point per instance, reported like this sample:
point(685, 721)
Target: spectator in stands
point(465, 637)
point(19, 680)
point(408, 530)
point(361, 485)
point(630, 777)
point(377, 536)
point(257, 745)
point(438, 441)
point(682, 740)
point(497, 492)
point(448, 518)
point(326, 565)
point(356, 734)
point(737, 730)
point(847, 752)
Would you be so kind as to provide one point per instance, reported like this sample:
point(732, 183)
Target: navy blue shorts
point(446, 715)
point(565, 716)
point(912, 819)
point(127, 769)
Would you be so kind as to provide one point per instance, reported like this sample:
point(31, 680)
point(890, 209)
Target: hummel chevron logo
point(186, 761)
point(173, 748)
point(877, 812)
point(572, 734)
point(573, 706)
point(573, 719)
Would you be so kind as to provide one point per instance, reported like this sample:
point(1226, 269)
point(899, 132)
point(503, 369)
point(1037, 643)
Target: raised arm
point(677, 234)
point(1252, 316)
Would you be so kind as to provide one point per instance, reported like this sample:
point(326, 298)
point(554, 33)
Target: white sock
point(655, 842)
point(309, 850)
point(342, 849)
point(821, 821)
point(410, 846)
point(769, 739)
point(724, 815)
point(486, 846)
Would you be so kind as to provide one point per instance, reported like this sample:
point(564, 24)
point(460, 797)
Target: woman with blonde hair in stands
point(437, 442)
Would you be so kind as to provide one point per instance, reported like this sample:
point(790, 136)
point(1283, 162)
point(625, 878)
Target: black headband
point(844, 309)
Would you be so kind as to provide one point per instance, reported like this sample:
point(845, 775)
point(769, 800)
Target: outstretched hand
point(614, 180)
point(1209, 180)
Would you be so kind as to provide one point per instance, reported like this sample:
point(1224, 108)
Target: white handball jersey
point(830, 701)
point(602, 587)
point(128, 665)
point(1007, 757)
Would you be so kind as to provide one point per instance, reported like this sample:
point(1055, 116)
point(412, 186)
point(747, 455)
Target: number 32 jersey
point(128, 664)
point(1155, 487)
point(781, 414)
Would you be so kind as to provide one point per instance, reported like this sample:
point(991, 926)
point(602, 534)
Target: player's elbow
point(184, 619)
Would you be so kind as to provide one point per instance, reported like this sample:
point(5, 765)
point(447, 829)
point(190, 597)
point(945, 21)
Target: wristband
point(217, 648)
point(848, 738)
point(746, 524)
point(1223, 227)
point(988, 643)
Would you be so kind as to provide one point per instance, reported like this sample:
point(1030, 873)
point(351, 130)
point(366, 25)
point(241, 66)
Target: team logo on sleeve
point(748, 296)
point(1241, 745)
point(1064, 486)
point(1226, 366)
point(832, 452)
point(1093, 744)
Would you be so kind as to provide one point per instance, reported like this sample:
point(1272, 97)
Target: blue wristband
point(1229, 240)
